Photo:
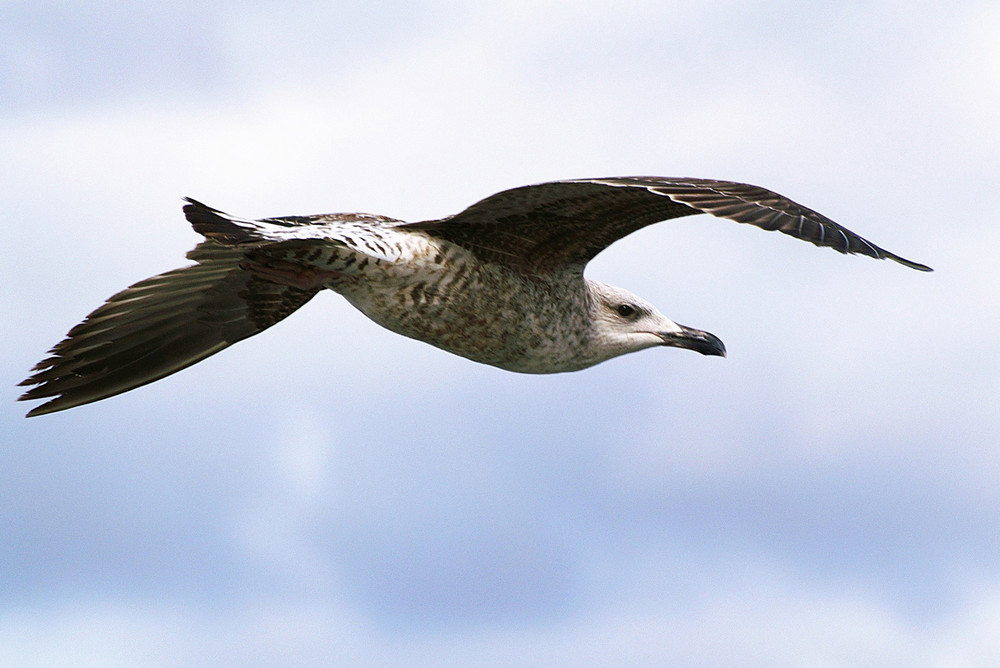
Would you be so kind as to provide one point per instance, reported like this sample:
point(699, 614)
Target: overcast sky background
point(329, 493)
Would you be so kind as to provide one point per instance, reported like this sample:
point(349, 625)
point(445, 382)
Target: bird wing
point(559, 224)
point(171, 321)
point(159, 326)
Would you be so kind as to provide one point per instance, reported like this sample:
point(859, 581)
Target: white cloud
point(764, 620)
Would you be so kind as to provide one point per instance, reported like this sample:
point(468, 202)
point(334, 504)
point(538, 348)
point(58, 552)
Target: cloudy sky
point(329, 493)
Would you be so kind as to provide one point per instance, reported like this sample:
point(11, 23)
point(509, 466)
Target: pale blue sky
point(329, 493)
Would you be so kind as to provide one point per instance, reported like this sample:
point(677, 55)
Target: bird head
point(625, 323)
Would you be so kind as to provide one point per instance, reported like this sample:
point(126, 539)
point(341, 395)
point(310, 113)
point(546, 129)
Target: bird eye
point(625, 310)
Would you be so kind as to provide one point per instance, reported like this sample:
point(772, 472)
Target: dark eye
point(625, 310)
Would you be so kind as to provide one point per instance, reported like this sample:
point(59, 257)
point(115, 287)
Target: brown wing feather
point(551, 226)
point(159, 326)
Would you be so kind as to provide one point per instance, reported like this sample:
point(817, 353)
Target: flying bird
point(499, 283)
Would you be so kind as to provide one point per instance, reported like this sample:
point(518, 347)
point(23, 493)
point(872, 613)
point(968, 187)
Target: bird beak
point(694, 339)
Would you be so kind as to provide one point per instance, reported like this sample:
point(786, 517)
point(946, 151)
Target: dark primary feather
point(158, 326)
point(548, 226)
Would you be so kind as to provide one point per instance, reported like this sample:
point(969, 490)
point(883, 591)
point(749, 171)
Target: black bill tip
point(694, 339)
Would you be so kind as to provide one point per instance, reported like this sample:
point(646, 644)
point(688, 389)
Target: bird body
point(438, 292)
point(500, 283)
point(483, 313)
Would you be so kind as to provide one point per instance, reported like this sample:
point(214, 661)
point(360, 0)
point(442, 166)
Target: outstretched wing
point(551, 226)
point(159, 326)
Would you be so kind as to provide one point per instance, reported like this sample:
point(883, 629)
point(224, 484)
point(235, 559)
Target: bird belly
point(486, 316)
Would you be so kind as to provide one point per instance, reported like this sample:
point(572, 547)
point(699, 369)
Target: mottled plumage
point(500, 283)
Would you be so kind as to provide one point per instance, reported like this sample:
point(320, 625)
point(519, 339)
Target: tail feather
point(218, 226)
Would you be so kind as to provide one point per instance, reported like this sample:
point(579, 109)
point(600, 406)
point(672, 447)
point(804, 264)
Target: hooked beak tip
point(694, 339)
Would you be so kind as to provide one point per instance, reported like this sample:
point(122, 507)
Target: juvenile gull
point(499, 283)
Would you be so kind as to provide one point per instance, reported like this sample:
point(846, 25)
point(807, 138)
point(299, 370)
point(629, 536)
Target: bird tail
point(165, 323)
point(221, 227)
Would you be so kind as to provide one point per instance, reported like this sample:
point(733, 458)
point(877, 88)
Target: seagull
point(500, 283)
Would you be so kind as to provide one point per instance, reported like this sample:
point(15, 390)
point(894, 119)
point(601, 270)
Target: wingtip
point(48, 407)
point(36, 411)
point(33, 394)
point(41, 409)
point(910, 263)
